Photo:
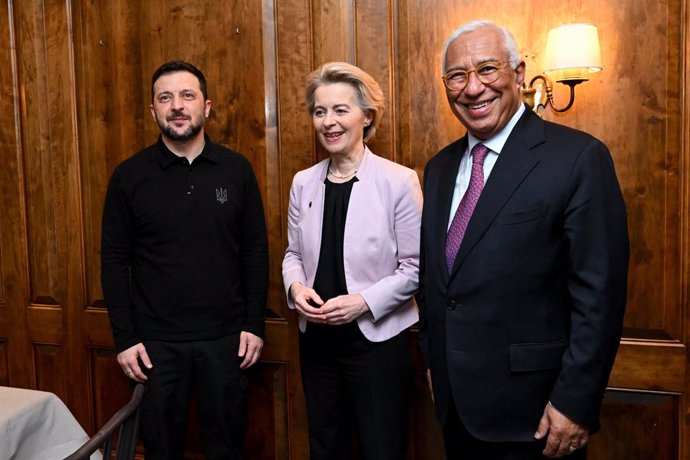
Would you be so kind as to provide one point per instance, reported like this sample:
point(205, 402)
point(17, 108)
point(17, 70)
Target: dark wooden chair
point(126, 420)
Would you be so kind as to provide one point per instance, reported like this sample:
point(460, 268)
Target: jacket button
point(451, 304)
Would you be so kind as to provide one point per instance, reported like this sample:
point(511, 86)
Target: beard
point(191, 132)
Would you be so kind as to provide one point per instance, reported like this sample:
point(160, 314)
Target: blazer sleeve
point(595, 228)
point(293, 269)
point(390, 292)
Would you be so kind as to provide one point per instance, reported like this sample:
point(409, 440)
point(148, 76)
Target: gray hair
point(508, 40)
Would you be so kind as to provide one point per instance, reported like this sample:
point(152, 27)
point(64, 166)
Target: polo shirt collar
point(166, 157)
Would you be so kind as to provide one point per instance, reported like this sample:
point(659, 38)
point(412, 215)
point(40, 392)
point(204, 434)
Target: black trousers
point(462, 445)
point(357, 389)
point(211, 369)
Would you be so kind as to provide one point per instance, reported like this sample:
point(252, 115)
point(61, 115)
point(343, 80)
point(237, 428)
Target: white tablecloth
point(36, 425)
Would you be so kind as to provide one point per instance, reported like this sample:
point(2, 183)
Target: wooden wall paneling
point(7, 108)
point(637, 425)
point(2, 285)
point(8, 185)
point(399, 106)
point(267, 429)
point(4, 367)
point(50, 368)
point(648, 163)
point(334, 31)
point(425, 439)
point(425, 120)
point(333, 38)
point(375, 32)
point(52, 188)
point(43, 153)
point(273, 191)
point(4, 328)
point(111, 109)
point(685, 216)
point(13, 229)
point(654, 366)
point(294, 60)
point(408, 102)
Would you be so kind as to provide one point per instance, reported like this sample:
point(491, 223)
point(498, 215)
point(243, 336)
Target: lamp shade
point(572, 51)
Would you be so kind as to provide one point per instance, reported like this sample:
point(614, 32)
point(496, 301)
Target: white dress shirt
point(495, 145)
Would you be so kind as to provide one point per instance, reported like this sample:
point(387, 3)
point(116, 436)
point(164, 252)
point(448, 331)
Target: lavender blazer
point(381, 243)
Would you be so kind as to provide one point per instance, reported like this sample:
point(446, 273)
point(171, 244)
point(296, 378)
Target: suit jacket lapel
point(446, 186)
point(512, 167)
point(312, 219)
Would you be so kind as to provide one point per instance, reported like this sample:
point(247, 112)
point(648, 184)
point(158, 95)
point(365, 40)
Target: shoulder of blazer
point(450, 153)
point(532, 131)
point(456, 146)
point(312, 174)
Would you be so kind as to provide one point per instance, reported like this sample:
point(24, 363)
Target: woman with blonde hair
point(351, 269)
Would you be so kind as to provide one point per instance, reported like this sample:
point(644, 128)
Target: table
point(36, 425)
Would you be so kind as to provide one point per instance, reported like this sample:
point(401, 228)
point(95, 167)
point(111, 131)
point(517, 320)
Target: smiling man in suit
point(523, 270)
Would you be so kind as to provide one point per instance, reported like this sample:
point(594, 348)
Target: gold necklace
point(345, 176)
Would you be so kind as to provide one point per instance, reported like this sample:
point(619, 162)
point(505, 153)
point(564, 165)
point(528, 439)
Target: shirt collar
point(166, 157)
point(498, 140)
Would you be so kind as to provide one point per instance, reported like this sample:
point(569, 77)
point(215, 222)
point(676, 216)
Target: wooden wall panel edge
point(638, 424)
point(296, 53)
point(78, 398)
point(650, 366)
point(375, 54)
point(4, 364)
point(274, 179)
point(45, 324)
point(20, 369)
point(676, 179)
point(684, 271)
point(79, 279)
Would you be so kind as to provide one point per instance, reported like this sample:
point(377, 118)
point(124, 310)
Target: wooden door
point(76, 94)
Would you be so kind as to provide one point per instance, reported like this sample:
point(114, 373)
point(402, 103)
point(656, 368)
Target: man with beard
point(185, 272)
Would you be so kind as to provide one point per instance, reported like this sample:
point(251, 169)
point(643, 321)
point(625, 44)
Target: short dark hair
point(179, 66)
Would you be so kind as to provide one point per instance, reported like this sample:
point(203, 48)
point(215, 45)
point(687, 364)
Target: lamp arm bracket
point(548, 88)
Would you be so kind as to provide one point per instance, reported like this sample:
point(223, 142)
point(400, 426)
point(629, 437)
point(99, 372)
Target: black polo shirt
point(184, 254)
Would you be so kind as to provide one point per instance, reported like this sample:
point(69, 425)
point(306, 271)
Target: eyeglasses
point(487, 73)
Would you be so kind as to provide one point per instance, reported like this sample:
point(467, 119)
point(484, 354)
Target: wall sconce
point(572, 53)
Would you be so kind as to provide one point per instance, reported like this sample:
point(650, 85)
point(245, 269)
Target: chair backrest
point(127, 421)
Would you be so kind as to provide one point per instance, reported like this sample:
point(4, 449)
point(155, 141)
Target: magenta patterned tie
point(467, 205)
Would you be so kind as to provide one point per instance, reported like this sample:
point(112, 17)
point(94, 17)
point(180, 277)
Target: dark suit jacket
point(533, 309)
